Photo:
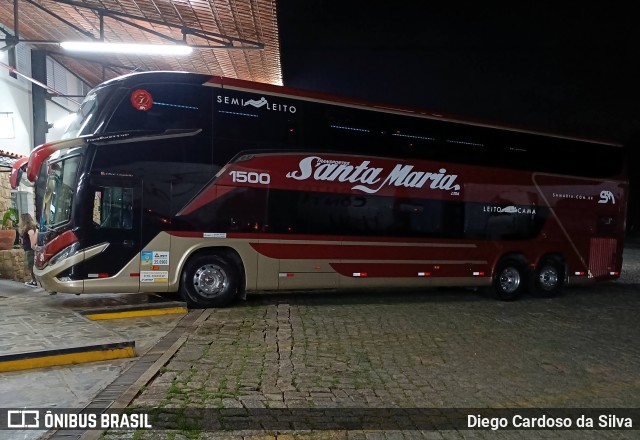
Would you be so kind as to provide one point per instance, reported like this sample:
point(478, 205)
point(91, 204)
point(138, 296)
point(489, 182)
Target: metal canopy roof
point(231, 38)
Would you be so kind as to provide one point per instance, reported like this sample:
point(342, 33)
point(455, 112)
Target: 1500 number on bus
point(250, 177)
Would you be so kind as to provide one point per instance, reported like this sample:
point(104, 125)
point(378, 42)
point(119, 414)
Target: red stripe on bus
point(386, 270)
point(360, 252)
point(338, 239)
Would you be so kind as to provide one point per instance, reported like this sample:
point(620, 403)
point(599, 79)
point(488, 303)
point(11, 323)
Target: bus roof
point(312, 96)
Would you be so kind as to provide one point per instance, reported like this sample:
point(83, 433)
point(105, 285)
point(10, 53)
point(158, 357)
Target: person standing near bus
point(29, 237)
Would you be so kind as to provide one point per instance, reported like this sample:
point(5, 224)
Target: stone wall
point(5, 190)
point(12, 265)
point(11, 261)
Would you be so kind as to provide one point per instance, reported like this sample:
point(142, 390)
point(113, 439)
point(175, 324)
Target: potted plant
point(8, 231)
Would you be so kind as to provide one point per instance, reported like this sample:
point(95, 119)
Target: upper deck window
point(162, 106)
point(85, 119)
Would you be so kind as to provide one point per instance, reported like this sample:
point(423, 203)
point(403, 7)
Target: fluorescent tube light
point(126, 48)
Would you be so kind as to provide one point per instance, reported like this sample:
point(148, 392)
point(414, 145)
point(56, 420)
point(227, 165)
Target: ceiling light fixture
point(126, 48)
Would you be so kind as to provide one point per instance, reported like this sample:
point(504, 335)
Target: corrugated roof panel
point(253, 20)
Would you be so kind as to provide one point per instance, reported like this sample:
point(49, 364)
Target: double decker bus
point(214, 187)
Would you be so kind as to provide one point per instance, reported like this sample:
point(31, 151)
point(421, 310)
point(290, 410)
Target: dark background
point(568, 68)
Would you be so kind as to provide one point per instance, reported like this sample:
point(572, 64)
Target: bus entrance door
point(116, 220)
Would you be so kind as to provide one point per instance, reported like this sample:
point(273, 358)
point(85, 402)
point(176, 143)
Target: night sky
point(571, 69)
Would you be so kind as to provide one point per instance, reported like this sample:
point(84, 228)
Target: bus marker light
point(103, 275)
point(286, 275)
point(360, 274)
point(614, 273)
point(580, 274)
point(478, 274)
point(134, 274)
point(92, 275)
point(424, 274)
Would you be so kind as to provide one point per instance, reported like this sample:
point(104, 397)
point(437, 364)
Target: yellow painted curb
point(66, 359)
point(135, 313)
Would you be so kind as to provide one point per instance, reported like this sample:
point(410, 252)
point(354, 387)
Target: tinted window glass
point(113, 208)
point(172, 170)
point(240, 210)
point(85, 120)
point(368, 215)
point(336, 128)
point(60, 191)
point(167, 106)
point(256, 121)
point(294, 212)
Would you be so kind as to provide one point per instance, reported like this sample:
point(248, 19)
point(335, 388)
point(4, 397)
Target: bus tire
point(509, 281)
point(209, 281)
point(548, 279)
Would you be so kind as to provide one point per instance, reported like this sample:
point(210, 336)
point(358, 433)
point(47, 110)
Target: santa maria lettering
point(370, 179)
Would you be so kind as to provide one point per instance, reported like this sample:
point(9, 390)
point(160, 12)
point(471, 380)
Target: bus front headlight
point(65, 253)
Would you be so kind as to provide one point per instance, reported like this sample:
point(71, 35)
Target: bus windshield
point(85, 118)
point(59, 193)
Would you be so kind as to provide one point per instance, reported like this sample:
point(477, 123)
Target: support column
point(38, 96)
point(39, 104)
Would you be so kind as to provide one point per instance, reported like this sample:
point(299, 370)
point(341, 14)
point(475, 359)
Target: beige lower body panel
point(261, 273)
point(360, 283)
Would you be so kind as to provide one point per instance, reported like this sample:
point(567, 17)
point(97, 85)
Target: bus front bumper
point(49, 276)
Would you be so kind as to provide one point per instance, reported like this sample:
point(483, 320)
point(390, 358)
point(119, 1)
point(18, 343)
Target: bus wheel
point(509, 280)
point(209, 281)
point(548, 280)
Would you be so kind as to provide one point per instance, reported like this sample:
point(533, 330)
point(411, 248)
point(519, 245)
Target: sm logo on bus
point(606, 197)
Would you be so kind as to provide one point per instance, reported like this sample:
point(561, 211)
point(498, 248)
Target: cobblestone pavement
point(436, 349)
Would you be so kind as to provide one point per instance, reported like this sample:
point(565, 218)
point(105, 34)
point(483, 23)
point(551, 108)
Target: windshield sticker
point(141, 100)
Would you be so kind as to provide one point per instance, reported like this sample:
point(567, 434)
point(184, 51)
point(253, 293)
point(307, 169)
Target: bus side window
point(112, 208)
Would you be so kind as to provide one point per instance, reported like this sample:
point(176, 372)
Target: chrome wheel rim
point(509, 280)
point(210, 280)
point(548, 278)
